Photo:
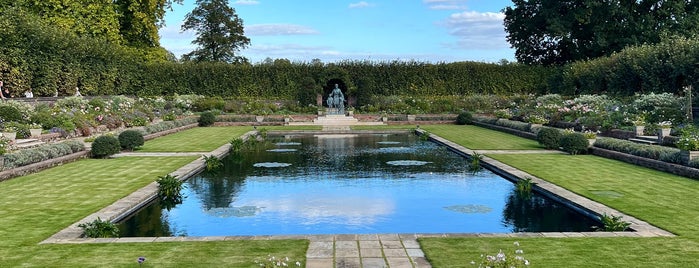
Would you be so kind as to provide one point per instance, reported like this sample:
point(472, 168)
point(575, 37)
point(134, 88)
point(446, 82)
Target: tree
point(219, 32)
point(140, 20)
point(556, 32)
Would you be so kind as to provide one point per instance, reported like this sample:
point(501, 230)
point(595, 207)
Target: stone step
point(644, 141)
point(27, 143)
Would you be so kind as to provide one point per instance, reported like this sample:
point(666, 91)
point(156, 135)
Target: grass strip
point(478, 138)
point(199, 139)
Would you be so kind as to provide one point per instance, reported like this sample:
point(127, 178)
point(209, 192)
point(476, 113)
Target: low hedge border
point(516, 132)
point(676, 169)
point(31, 168)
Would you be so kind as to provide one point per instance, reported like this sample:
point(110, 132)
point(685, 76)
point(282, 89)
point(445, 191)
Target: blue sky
point(376, 30)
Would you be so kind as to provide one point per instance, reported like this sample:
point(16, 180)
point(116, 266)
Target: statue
point(336, 101)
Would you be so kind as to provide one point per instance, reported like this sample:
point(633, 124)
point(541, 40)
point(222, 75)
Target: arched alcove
point(330, 85)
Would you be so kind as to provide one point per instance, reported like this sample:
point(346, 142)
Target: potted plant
point(9, 132)
point(537, 120)
point(665, 127)
point(35, 129)
point(639, 125)
point(591, 136)
point(688, 143)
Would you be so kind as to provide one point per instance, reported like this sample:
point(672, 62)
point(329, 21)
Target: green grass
point(36, 206)
point(478, 138)
point(200, 139)
point(662, 199)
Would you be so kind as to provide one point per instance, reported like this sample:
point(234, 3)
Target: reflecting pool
point(340, 184)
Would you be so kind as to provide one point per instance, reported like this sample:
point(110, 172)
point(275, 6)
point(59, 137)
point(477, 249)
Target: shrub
point(464, 118)
point(10, 114)
point(130, 139)
point(209, 103)
point(169, 188)
point(521, 126)
point(104, 146)
point(613, 223)
point(206, 119)
point(549, 137)
point(99, 229)
point(574, 143)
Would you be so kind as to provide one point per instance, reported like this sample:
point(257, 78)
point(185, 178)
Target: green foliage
point(474, 164)
point(424, 135)
point(518, 125)
point(524, 186)
point(549, 137)
point(237, 145)
point(209, 103)
point(206, 119)
point(574, 143)
point(656, 152)
point(10, 114)
point(130, 139)
point(613, 223)
point(212, 162)
point(221, 42)
point(464, 118)
point(169, 191)
point(99, 229)
point(105, 146)
point(559, 32)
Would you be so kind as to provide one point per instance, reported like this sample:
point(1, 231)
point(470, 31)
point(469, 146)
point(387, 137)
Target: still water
point(339, 184)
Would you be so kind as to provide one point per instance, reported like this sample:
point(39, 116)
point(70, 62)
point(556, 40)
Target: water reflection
point(350, 184)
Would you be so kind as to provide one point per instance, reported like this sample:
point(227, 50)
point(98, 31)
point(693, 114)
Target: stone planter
point(10, 135)
point(384, 119)
point(411, 117)
point(350, 113)
point(688, 156)
point(36, 132)
point(590, 142)
point(663, 132)
point(259, 118)
point(639, 130)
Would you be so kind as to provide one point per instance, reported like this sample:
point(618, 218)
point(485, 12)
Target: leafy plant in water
point(524, 186)
point(475, 164)
point(237, 145)
point(262, 133)
point(169, 188)
point(613, 223)
point(99, 229)
point(425, 136)
point(212, 162)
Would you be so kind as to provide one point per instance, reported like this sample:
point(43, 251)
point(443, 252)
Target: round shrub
point(464, 118)
point(130, 139)
point(104, 146)
point(206, 119)
point(574, 143)
point(549, 137)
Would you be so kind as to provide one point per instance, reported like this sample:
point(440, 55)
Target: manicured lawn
point(34, 207)
point(661, 199)
point(478, 138)
point(199, 139)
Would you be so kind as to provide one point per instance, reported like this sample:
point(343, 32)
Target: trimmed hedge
point(662, 153)
point(574, 143)
point(131, 139)
point(42, 153)
point(549, 137)
point(105, 146)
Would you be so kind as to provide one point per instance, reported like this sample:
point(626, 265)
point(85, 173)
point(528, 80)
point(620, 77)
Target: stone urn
point(36, 132)
point(639, 130)
point(259, 118)
point(411, 117)
point(664, 132)
point(10, 135)
point(590, 142)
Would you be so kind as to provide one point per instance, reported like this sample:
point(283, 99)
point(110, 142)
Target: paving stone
point(319, 253)
point(369, 244)
point(391, 244)
point(347, 252)
point(363, 237)
point(421, 263)
point(371, 252)
point(387, 237)
point(320, 245)
point(411, 243)
point(415, 252)
point(319, 263)
point(346, 244)
point(394, 253)
point(345, 237)
point(399, 263)
point(374, 263)
point(347, 263)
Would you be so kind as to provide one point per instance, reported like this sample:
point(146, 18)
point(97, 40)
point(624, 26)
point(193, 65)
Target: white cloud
point(246, 2)
point(278, 29)
point(360, 4)
point(476, 30)
point(445, 4)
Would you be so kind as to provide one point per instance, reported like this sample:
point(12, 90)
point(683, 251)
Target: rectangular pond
point(351, 184)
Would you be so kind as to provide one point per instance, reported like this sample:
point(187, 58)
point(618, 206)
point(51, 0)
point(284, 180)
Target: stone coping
point(123, 207)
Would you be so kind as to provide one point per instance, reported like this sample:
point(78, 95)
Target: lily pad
point(388, 142)
point(407, 163)
point(288, 143)
point(271, 164)
point(469, 209)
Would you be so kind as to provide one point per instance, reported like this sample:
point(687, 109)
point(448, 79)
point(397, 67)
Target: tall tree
point(219, 32)
point(555, 32)
point(140, 20)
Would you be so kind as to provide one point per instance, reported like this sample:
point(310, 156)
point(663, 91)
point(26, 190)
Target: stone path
point(367, 251)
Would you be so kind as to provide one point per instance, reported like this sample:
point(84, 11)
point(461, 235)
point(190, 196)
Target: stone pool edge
point(134, 201)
